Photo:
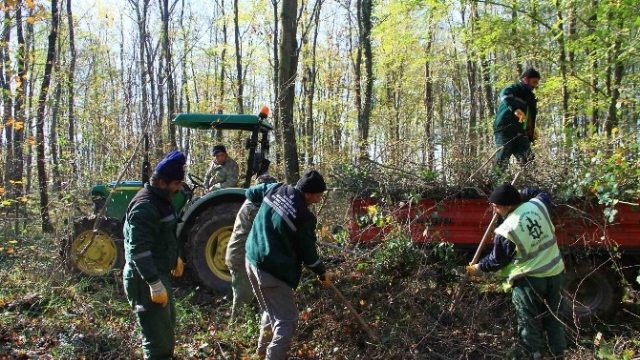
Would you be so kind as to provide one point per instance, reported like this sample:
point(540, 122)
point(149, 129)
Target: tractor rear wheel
point(592, 294)
point(208, 241)
point(95, 257)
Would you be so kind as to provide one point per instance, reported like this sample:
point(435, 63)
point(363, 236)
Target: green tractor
point(206, 222)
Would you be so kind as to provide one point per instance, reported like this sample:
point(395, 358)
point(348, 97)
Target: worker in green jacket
point(515, 121)
point(526, 251)
point(281, 240)
point(151, 253)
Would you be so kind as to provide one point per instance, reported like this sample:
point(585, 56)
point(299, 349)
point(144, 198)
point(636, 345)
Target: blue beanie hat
point(171, 168)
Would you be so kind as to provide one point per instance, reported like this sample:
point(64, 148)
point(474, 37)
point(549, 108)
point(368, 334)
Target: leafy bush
point(397, 255)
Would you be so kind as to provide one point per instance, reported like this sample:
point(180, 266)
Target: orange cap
point(264, 111)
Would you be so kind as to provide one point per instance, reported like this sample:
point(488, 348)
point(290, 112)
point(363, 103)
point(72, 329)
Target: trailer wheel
point(208, 241)
point(592, 294)
point(95, 257)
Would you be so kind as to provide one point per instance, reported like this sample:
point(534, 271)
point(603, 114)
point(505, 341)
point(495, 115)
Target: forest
point(394, 99)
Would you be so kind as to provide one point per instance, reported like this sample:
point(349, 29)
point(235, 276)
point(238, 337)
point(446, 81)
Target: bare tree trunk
point(276, 81)
point(53, 128)
point(593, 118)
point(7, 100)
point(364, 8)
point(562, 60)
point(53, 133)
point(70, 93)
point(171, 90)
point(223, 67)
point(428, 147)
point(287, 77)
point(471, 89)
point(615, 70)
point(42, 103)
point(19, 109)
point(30, 44)
point(185, 85)
point(239, 79)
point(311, 75)
point(365, 42)
point(141, 19)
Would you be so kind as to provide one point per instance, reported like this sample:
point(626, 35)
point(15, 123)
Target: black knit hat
point(311, 182)
point(505, 194)
point(530, 73)
point(171, 168)
point(219, 148)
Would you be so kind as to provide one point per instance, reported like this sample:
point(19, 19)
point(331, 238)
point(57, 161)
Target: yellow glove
point(179, 269)
point(325, 279)
point(474, 270)
point(521, 115)
point(159, 293)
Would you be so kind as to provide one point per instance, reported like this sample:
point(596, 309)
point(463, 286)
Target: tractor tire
point(207, 247)
point(105, 254)
point(592, 295)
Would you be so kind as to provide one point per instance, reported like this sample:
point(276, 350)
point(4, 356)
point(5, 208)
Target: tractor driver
point(223, 172)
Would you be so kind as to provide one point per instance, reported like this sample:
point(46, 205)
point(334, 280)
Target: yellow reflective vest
point(529, 227)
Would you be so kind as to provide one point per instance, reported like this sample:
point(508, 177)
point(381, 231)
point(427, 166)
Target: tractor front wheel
point(94, 253)
point(208, 241)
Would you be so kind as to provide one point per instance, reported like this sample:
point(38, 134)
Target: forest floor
point(404, 294)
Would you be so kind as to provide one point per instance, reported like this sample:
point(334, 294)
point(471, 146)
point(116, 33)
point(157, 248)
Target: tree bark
point(287, 77)
point(239, 77)
point(593, 118)
point(141, 19)
point(364, 20)
point(562, 61)
point(276, 82)
point(70, 93)
point(428, 152)
point(47, 227)
point(7, 100)
point(171, 90)
point(19, 108)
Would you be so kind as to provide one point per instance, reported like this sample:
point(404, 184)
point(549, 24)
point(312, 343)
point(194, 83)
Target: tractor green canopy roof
point(220, 121)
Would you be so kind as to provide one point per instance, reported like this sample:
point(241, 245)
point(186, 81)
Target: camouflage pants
point(539, 309)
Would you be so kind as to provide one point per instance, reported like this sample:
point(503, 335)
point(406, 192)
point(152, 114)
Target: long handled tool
point(355, 314)
point(476, 256)
point(489, 230)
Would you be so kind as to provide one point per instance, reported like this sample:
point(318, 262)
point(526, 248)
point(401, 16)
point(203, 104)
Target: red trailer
point(583, 234)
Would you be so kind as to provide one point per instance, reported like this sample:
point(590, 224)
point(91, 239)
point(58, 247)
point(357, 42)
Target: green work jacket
point(150, 244)
point(512, 98)
point(283, 236)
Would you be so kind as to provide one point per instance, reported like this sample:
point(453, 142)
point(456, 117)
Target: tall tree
point(239, 74)
point(141, 8)
point(42, 103)
point(364, 82)
point(287, 79)
point(19, 107)
point(7, 99)
point(71, 148)
point(171, 90)
point(309, 82)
